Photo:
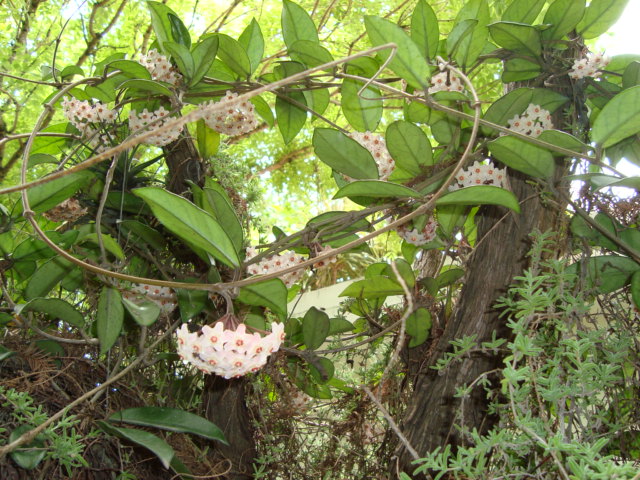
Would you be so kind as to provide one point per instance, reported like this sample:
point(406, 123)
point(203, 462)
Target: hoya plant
point(139, 263)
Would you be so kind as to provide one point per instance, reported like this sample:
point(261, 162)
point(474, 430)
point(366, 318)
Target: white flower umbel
point(140, 120)
point(228, 351)
point(67, 211)
point(81, 113)
point(325, 261)
point(532, 122)
point(589, 66)
point(230, 116)
point(445, 82)
point(275, 263)
point(416, 236)
point(161, 296)
point(480, 174)
point(378, 149)
point(160, 68)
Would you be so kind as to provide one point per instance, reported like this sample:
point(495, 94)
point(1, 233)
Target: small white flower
point(479, 174)
point(418, 237)
point(589, 66)
point(230, 116)
point(160, 68)
point(445, 82)
point(532, 122)
point(276, 263)
point(378, 149)
point(138, 121)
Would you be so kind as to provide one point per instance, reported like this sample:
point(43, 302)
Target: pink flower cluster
point(68, 211)
point(230, 116)
point(276, 263)
point(480, 174)
point(589, 66)
point(226, 352)
point(82, 113)
point(532, 122)
point(161, 296)
point(418, 237)
point(160, 68)
point(445, 82)
point(141, 120)
point(378, 148)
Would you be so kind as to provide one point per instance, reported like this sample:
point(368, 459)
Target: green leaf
point(220, 206)
point(160, 22)
point(5, 352)
point(186, 221)
point(191, 302)
point(321, 369)
point(253, 43)
point(418, 326)
point(129, 68)
point(309, 53)
point(140, 231)
point(339, 325)
point(46, 196)
point(619, 119)
point(408, 61)
point(233, 55)
point(203, 55)
point(523, 156)
point(109, 243)
point(403, 267)
point(208, 140)
point(46, 277)
point(344, 154)
point(317, 100)
point(518, 37)
point(151, 442)
point(270, 293)
point(315, 328)
point(377, 286)
point(56, 309)
point(563, 16)
point(149, 86)
point(362, 112)
point(291, 118)
point(518, 69)
point(523, 11)
point(600, 16)
point(631, 76)
point(469, 44)
point(449, 277)
point(172, 419)
point(28, 456)
point(70, 71)
point(264, 110)
point(481, 195)
point(144, 311)
point(297, 24)
point(109, 318)
point(635, 288)
point(606, 273)
point(564, 140)
point(409, 147)
point(425, 29)
point(376, 189)
point(179, 32)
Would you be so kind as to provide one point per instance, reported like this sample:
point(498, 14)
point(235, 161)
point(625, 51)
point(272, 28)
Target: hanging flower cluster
point(589, 66)
point(141, 120)
point(532, 122)
point(417, 236)
point(325, 261)
point(67, 211)
point(480, 174)
point(161, 296)
point(378, 149)
point(276, 263)
point(227, 351)
point(445, 82)
point(81, 113)
point(230, 116)
point(160, 68)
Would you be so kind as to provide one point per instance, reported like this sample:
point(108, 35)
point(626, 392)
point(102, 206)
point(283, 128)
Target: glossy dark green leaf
point(619, 119)
point(143, 311)
point(517, 37)
point(219, 205)
point(190, 223)
point(291, 118)
point(233, 55)
point(270, 293)
point(56, 309)
point(344, 154)
point(562, 16)
point(160, 22)
point(564, 140)
point(481, 195)
point(339, 325)
point(378, 286)
point(252, 41)
point(203, 54)
point(46, 196)
point(518, 69)
point(309, 53)
point(523, 11)
point(408, 61)
point(208, 140)
point(179, 32)
point(425, 31)
point(297, 24)
point(600, 16)
point(151, 442)
point(363, 112)
point(129, 68)
point(147, 86)
point(172, 419)
point(606, 273)
point(525, 157)
point(409, 147)
point(48, 275)
point(191, 302)
point(109, 319)
point(27, 456)
point(376, 189)
point(315, 328)
point(418, 327)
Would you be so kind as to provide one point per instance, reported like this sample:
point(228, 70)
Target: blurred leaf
point(631, 76)
point(233, 55)
point(378, 286)
point(315, 328)
point(606, 273)
point(562, 16)
point(27, 456)
point(138, 231)
point(5, 352)
point(619, 119)
point(518, 69)
point(523, 11)
point(109, 318)
point(48, 195)
point(321, 370)
point(599, 16)
point(309, 53)
point(418, 326)
point(129, 68)
point(339, 325)
point(160, 22)
point(481, 195)
point(208, 140)
point(179, 32)
point(109, 243)
point(191, 302)
point(48, 275)
point(635, 288)
point(149, 86)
